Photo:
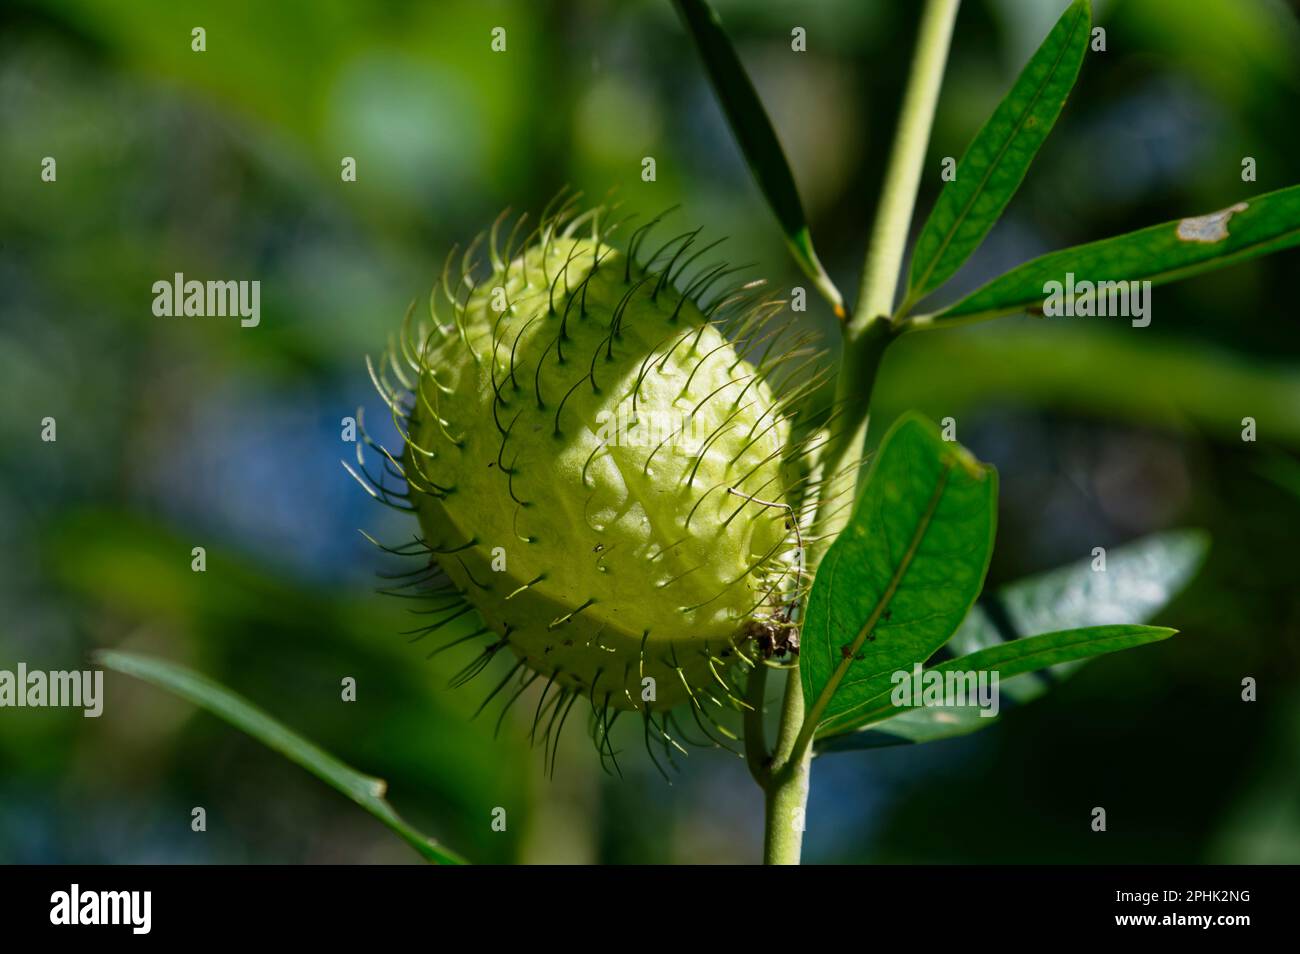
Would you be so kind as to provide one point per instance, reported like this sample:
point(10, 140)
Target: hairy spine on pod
point(597, 471)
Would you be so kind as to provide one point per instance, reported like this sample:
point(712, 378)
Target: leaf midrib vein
point(1161, 277)
point(900, 571)
point(874, 707)
point(997, 159)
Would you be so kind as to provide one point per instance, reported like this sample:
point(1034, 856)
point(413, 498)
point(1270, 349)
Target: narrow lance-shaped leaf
point(901, 576)
point(753, 131)
point(1159, 254)
point(1138, 581)
point(1012, 659)
point(367, 791)
point(996, 161)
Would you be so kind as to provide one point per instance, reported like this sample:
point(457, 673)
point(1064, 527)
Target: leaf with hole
point(1159, 254)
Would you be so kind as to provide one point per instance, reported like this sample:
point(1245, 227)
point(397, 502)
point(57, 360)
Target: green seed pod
point(596, 469)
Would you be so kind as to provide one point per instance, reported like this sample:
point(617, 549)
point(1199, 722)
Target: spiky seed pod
point(596, 468)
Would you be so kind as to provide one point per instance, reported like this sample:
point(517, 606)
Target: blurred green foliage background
point(175, 433)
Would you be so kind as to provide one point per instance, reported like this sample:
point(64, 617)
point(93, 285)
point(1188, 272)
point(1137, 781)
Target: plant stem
point(866, 337)
point(756, 756)
point(787, 787)
point(898, 197)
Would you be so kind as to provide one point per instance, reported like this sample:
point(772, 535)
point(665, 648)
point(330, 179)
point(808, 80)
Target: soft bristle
point(764, 355)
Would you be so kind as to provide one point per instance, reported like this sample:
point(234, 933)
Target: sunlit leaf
point(1008, 660)
point(902, 575)
point(1159, 254)
point(996, 161)
point(1140, 579)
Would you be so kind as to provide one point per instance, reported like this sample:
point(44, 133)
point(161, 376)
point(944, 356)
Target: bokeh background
point(174, 433)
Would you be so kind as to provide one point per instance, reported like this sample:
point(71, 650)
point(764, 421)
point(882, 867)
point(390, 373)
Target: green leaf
point(753, 131)
point(901, 576)
point(365, 790)
point(1012, 659)
point(1140, 579)
point(1159, 254)
point(995, 164)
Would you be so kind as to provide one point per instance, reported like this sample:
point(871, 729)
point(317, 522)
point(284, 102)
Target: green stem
point(898, 197)
point(756, 756)
point(787, 786)
point(866, 337)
